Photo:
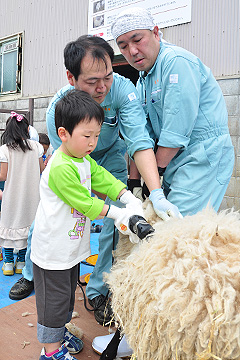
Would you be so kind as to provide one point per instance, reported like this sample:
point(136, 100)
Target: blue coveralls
point(186, 109)
point(123, 112)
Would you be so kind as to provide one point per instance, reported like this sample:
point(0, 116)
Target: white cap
point(132, 19)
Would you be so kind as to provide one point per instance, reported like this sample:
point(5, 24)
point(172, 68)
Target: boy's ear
point(70, 78)
point(62, 133)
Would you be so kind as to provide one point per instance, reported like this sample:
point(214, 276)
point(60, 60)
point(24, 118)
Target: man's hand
point(163, 208)
point(135, 187)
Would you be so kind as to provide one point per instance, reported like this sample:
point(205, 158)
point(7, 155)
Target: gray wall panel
point(213, 35)
point(48, 25)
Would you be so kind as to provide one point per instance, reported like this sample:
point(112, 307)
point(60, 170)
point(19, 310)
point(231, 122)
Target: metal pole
point(31, 110)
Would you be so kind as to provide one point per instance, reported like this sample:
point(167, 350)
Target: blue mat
point(6, 282)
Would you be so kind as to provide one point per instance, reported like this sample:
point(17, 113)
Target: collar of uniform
point(108, 100)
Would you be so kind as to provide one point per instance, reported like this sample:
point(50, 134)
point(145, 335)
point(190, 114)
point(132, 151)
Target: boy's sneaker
point(62, 354)
point(72, 342)
point(8, 268)
point(19, 265)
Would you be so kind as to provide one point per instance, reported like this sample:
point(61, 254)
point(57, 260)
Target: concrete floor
point(19, 333)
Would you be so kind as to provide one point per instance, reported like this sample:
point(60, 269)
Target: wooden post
point(31, 110)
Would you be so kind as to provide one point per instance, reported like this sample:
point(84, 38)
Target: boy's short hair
point(74, 107)
point(44, 139)
point(75, 51)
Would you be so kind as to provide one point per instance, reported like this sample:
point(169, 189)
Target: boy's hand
point(128, 198)
point(121, 218)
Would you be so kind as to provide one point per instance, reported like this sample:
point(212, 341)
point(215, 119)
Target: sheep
point(177, 295)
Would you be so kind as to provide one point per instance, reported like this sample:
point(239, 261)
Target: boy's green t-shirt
point(61, 235)
point(65, 182)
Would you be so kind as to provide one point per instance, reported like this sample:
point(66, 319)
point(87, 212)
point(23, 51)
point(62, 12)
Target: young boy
point(61, 236)
point(45, 142)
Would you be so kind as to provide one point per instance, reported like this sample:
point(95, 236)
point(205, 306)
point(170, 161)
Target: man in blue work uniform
point(187, 118)
point(186, 113)
point(88, 61)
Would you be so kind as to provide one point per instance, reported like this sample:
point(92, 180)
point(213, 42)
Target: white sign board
point(101, 13)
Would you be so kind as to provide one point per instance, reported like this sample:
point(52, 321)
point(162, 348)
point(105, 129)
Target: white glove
point(134, 238)
point(128, 198)
point(163, 208)
point(132, 202)
point(121, 218)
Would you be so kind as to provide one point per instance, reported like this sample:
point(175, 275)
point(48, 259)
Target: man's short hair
point(75, 51)
point(74, 107)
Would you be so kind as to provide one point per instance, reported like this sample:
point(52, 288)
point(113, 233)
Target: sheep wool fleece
point(185, 304)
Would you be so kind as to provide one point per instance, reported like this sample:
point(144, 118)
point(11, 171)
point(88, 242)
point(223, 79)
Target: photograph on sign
point(101, 13)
